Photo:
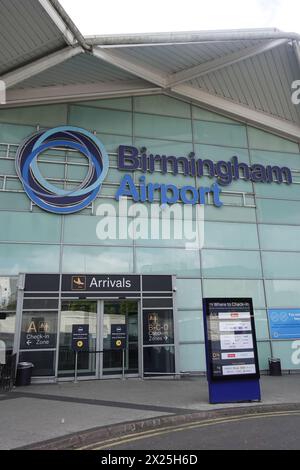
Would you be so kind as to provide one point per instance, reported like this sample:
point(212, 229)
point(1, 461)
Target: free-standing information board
point(231, 351)
point(80, 338)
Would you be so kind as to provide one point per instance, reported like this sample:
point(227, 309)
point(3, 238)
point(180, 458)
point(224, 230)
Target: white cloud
point(132, 16)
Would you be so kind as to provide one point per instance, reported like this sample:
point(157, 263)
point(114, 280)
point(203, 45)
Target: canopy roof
point(244, 74)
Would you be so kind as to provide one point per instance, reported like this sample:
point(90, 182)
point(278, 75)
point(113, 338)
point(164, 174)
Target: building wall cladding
point(251, 245)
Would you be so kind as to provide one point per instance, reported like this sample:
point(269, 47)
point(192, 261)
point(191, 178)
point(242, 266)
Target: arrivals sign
point(230, 339)
point(100, 283)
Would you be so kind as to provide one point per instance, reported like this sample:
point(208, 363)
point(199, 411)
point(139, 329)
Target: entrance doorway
point(120, 312)
point(100, 316)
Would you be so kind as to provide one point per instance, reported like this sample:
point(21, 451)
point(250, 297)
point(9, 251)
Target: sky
point(97, 17)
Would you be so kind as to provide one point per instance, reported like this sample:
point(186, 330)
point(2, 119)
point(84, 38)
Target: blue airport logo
point(42, 192)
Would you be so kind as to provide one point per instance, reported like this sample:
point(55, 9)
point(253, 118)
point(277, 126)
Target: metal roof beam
point(154, 39)
point(296, 47)
point(28, 71)
point(238, 111)
point(59, 22)
point(62, 20)
point(134, 67)
point(221, 62)
point(78, 92)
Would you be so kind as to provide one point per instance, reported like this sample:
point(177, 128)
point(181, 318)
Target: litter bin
point(274, 366)
point(24, 372)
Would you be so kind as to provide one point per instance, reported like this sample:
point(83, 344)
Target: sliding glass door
point(79, 312)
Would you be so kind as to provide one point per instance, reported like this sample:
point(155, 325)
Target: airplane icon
point(78, 282)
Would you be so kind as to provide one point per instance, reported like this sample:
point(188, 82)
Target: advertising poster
point(230, 339)
point(284, 323)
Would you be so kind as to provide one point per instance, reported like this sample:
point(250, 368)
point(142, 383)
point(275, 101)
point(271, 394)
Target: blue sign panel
point(284, 323)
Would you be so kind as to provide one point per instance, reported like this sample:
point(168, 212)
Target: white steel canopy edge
point(169, 63)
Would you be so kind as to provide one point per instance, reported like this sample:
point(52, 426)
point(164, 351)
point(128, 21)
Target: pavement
point(68, 415)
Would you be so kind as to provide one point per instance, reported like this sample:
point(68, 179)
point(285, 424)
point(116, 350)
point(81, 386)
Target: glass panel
point(7, 329)
point(281, 265)
point(168, 128)
point(288, 352)
point(159, 360)
point(95, 230)
point(158, 327)
point(35, 227)
point(115, 103)
point(114, 176)
point(46, 116)
point(220, 134)
point(168, 261)
point(235, 288)
point(234, 214)
point(39, 330)
point(43, 304)
point(216, 153)
point(278, 212)
point(189, 293)
point(178, 180)
point(157, 303)
point(161, 104)
point(205, 115)
point(283, 293)
point(112, 142)
point(91, 259)
point(120, 313)
point(192, 358)
point(8, 293)
point(52, 170)
point(77, 172)
point(77, 313)
point(190, 325)
point(164, 147)
point(217, 263)
point(264, 352)
point(279, 191)
point(13, 184)
point(240, 185)
point(261, 325)
point(102, 120)
point(17, 259)
point(263, 140)
point(279, 237)
point(226, 235)
point(12, 134)
point(7, 167)
point(281, 159)
point(167, 231)
point(43, 361)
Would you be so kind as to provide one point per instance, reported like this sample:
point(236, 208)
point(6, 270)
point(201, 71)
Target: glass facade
point(250, 247)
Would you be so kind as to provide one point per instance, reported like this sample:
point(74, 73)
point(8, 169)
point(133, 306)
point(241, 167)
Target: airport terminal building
point(140, 174)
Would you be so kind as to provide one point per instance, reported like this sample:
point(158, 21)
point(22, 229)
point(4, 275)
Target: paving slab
point(41, 412)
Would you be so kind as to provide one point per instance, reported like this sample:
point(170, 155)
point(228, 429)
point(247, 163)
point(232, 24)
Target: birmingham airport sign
point(67, 201)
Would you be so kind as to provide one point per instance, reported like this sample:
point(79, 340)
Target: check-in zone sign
point(118, 336)
point(80, 338)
